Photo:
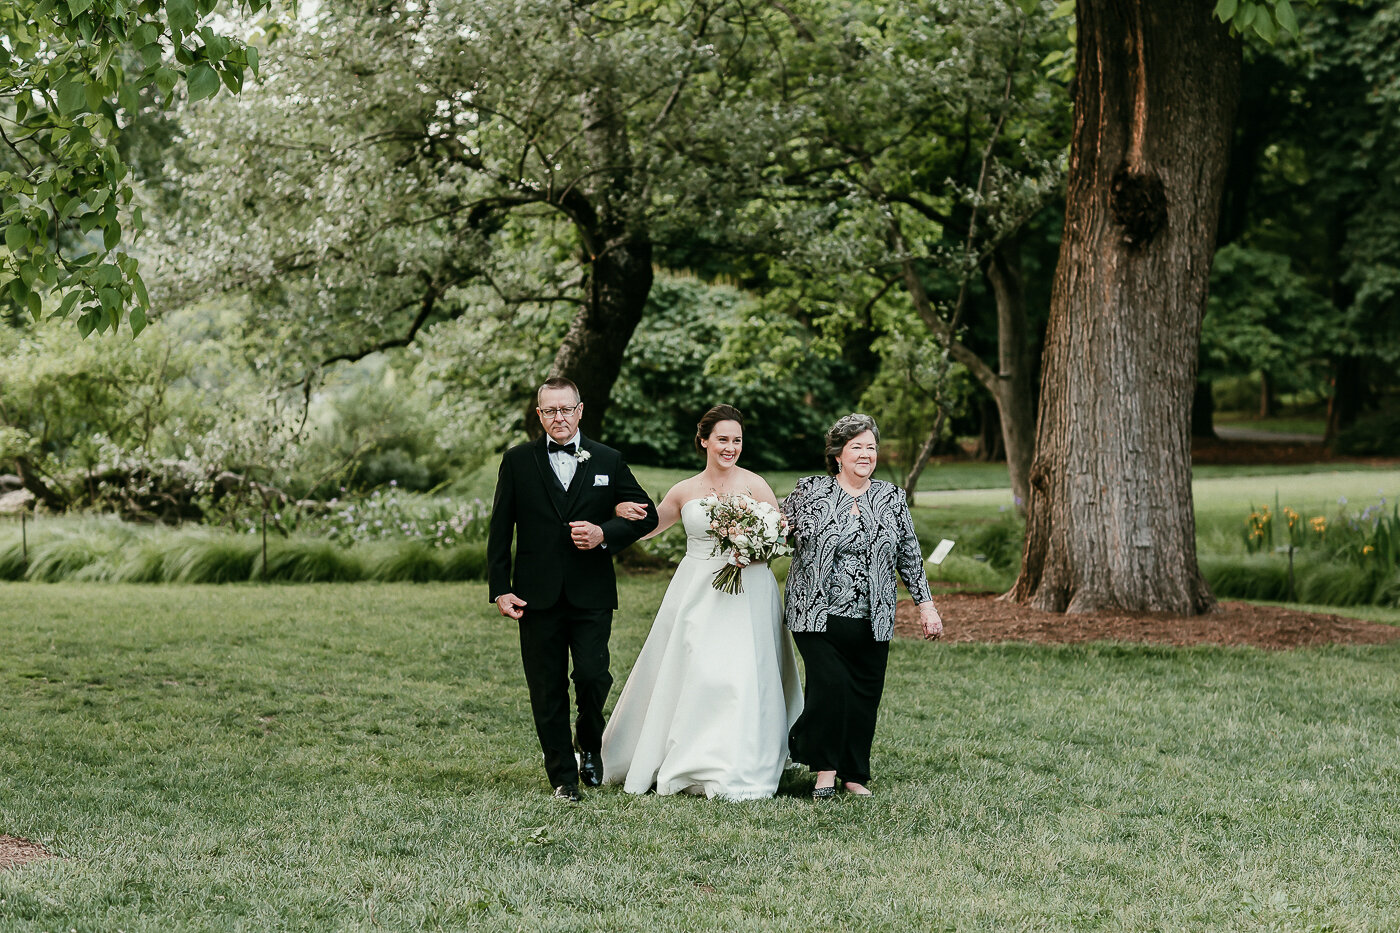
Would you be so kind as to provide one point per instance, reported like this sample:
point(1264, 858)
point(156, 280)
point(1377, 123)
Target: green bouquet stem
point(729, 579)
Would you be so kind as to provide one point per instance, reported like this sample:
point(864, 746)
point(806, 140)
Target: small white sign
point(600, 480)
point(940, 552)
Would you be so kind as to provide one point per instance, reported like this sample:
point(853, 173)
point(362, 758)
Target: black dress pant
point(845, 680)
point(547, 638)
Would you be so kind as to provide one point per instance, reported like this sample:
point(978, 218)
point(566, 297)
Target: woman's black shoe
point(823, 793)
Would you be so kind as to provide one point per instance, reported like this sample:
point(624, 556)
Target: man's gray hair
point(557, 382)
point(843, 432)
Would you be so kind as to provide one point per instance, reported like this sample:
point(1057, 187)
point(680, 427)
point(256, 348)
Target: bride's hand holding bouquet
point(747, 531)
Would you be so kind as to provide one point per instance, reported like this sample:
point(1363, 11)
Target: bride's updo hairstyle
point(714, 416)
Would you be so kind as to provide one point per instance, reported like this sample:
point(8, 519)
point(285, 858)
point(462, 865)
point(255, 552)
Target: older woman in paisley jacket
point(854, 536)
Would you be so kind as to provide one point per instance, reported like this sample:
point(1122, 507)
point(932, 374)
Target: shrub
point(966, 571)
point(1334, 584)
point(1376, 436)
point(63, 556)
point(1387, 590)
point(1000, 543)
point(464, 562)
point(402, 561)
point(210, 558)
point(12, 563)
point(1254, 577)
point(301, 560)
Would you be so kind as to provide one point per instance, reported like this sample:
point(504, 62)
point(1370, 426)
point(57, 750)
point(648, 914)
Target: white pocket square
point(600, 480)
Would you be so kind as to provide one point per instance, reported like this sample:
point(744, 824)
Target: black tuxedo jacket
point(532, 504)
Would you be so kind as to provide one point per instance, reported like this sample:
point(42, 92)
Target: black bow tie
point(560, 448)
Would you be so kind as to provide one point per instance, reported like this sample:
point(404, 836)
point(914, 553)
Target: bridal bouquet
point(746, 531)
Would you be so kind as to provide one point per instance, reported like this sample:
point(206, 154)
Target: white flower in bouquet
point(746, 531)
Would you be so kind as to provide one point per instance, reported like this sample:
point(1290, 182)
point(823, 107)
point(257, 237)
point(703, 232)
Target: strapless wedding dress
point(707, 707)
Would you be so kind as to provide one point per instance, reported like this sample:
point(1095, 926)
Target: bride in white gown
point(707, 707)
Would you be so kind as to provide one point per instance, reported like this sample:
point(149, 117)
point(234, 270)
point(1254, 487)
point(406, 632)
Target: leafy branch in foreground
point(72, 76)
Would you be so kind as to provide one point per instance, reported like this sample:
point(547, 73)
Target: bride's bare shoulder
point(758, 486)
point(685, 490)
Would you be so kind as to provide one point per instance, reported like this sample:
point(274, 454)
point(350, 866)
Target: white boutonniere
point(582, 456)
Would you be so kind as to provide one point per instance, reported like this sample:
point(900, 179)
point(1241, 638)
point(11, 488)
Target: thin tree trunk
point(1111, 522)
point(1348, 395)
point(619, 253)
point(916, 469)
point(991, 446)
point(1267, 404)
point(1014, 389)
point(1203, 410)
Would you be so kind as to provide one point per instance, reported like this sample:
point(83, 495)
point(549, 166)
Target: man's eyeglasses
point(552, 412)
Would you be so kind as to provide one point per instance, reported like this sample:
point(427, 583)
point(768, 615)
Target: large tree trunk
point(1111, 521)
point(613, 229)
point(1014, 388)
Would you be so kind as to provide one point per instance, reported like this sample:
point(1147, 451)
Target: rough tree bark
point(1111, 522)
point(612, 226)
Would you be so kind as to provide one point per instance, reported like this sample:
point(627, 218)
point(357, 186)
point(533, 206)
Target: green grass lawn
point(360, 757)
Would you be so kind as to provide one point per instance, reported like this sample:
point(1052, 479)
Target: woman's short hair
point(711, 418)
point(842, 433)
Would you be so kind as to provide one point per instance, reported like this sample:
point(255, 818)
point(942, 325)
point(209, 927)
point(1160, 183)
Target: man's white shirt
point(565, 464)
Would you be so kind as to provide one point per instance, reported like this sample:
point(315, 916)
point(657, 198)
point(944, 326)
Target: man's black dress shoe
point(590, 768)
point(567, 792)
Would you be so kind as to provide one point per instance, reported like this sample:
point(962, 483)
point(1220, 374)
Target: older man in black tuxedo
point(558, 496)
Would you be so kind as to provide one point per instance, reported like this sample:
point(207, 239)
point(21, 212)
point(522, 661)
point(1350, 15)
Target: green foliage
point(451, 168)
point(1345, 560)
point(1257, 577)
point(1317, 581)
point(391, 514)
point(915, 382)
point(142, 426)
point(208, 558)
point(1264, 316)
point(1267, 19)
point(370, 425)
point(665, 384)
point(71, 77)
point(1373, 436)
point(1308, 279)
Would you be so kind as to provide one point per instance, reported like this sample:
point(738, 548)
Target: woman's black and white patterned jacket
point(816, 512)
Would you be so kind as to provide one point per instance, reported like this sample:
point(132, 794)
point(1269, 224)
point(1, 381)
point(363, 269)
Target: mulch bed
point(984, 618)
point(1215, 451)
point(15, 852)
